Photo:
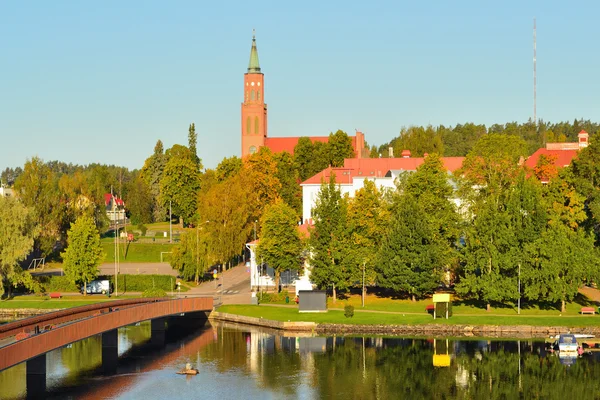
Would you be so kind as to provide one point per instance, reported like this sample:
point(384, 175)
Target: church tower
point(254, 109)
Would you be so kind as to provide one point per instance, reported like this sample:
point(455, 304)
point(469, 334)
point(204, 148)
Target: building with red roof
point(115, 208)
point(560, 154)
point(352, 175)
point(254, 121)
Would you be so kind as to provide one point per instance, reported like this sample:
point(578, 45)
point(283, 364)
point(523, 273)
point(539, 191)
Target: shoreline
point(436, 330)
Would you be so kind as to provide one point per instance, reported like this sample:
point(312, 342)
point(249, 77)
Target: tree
point(367, 217)
point(412, 256)
point(84, 252)
point(192, 141)
point(190, 256)
point(16, 240)
point(328, 239)
point(260, 179)
point(310, 158)
point(180, 183)
point(340, 147)
point(585, 177)
point(139, 201)
point(228, 167)
point(38, 190)
point(280, 245)
point(152, 173)
point(290, 192)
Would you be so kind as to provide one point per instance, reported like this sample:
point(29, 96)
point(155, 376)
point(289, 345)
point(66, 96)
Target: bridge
point(28, 340)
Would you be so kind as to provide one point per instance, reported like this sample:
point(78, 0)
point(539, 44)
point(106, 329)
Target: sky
point(101, 82)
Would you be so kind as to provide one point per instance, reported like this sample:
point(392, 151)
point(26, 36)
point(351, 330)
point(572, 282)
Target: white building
point(351, 177)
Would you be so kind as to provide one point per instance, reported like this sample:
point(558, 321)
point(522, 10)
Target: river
point(241, 362)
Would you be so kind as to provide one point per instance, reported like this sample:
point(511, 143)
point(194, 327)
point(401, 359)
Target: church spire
point(253, 65)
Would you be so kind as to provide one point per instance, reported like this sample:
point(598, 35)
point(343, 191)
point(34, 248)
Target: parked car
point(98, 287)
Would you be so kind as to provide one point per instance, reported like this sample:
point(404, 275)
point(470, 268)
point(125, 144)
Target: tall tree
point(192, 141)
point(260, 176)
point(290, 192)
point(139, 201)
point(585, 177)
point(329, 239)
point(190, 256)
point(340, 147)
point(228, 167)
point(180, 183)
point(152, 173)
point(16, 240)
point(280, 245)
point(412, 256)
point(83, 253)
point(367, 219)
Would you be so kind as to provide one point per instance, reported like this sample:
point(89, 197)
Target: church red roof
point(279, 144)
point(376, 168)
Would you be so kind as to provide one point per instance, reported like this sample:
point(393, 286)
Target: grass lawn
point(376, 318)
point(65, 302)
point(136, 252)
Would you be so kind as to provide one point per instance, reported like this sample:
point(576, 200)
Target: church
point(254, 117)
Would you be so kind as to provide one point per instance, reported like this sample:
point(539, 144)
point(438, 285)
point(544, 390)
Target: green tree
point(180, 183)
point(192, 141)
point(412, 256)
point(152, 173)
point(340, 147)
point(585, 177)
point(280, 245)
point(139, 201)
point(16, 240)
point(290, 192)
point(228, 167)
point(83, 253)
point(368, 216)
point(329, 239)
point(190, 256)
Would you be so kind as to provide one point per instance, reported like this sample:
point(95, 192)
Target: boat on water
point(188, 370)
point(567, 345)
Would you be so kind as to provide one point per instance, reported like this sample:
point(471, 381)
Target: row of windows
point(252, 94)
point(249, 125)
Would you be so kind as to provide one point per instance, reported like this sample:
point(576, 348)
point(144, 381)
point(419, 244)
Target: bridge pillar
point(158, 328)
point(36, 377)
point(110, 351)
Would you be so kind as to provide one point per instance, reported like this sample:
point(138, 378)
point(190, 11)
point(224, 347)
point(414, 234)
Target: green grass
point(378, 318)
point(65, 302)
point(136, 252)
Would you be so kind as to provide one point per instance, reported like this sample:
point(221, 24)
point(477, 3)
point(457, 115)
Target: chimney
point(405, 153)
point(583, 139)
point(391, 150)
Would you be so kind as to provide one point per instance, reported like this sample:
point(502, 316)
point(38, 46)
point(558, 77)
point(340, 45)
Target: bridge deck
point(89, 322)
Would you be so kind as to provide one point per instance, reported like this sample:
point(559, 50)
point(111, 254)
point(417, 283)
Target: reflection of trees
point(12, 382)
point(81, 356)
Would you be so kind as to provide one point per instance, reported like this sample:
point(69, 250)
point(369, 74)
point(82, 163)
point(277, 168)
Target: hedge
point(127, 283)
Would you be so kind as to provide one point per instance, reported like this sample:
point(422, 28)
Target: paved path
point(233, 288)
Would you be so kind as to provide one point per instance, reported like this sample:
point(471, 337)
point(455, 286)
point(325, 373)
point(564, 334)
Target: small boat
point(567, 344)
point(188, 370)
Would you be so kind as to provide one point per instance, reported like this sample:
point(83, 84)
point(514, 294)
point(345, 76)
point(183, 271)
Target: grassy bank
point(35, 302)
point(393, 318)
point(136, 252)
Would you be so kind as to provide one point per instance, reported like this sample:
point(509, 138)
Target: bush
point(349, 311)
point(143, 229)
point(58, 284)
point(141, 283)
point(154, 292)
point(264, 297)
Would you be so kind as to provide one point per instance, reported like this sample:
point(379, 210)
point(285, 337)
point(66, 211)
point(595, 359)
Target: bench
point(588, 310)
point(55, 295)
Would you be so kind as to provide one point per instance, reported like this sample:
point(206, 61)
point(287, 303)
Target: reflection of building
point(254, 117)
point(441, 353)
point(115, 208)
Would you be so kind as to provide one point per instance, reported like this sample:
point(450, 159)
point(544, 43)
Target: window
point(252, 149)
point(252, 95)
point(256, 125)
point(248, 126)
point(258, 95)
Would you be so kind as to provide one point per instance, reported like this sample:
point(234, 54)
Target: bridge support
point(157, 327)
point(110, 351)
point(36, 377)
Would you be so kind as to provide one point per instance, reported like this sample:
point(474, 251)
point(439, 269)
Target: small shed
point(443, 305)
point(312, 301)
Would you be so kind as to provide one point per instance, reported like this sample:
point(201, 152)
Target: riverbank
point(334, 322)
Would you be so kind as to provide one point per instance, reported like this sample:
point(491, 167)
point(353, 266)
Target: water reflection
point(251, 363)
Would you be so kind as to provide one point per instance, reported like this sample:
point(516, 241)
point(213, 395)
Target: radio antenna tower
point(534, 76)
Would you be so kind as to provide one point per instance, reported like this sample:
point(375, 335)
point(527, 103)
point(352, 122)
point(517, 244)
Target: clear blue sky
point(86, 82)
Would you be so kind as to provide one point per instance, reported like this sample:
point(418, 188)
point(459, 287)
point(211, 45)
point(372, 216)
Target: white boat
point(567, 345)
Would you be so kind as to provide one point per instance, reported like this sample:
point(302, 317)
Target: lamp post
point(363, 285)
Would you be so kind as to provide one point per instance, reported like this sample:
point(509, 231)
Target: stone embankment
point(487, 331)
point(17, 313)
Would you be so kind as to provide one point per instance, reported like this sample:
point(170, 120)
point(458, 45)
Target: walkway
point(236, 287)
